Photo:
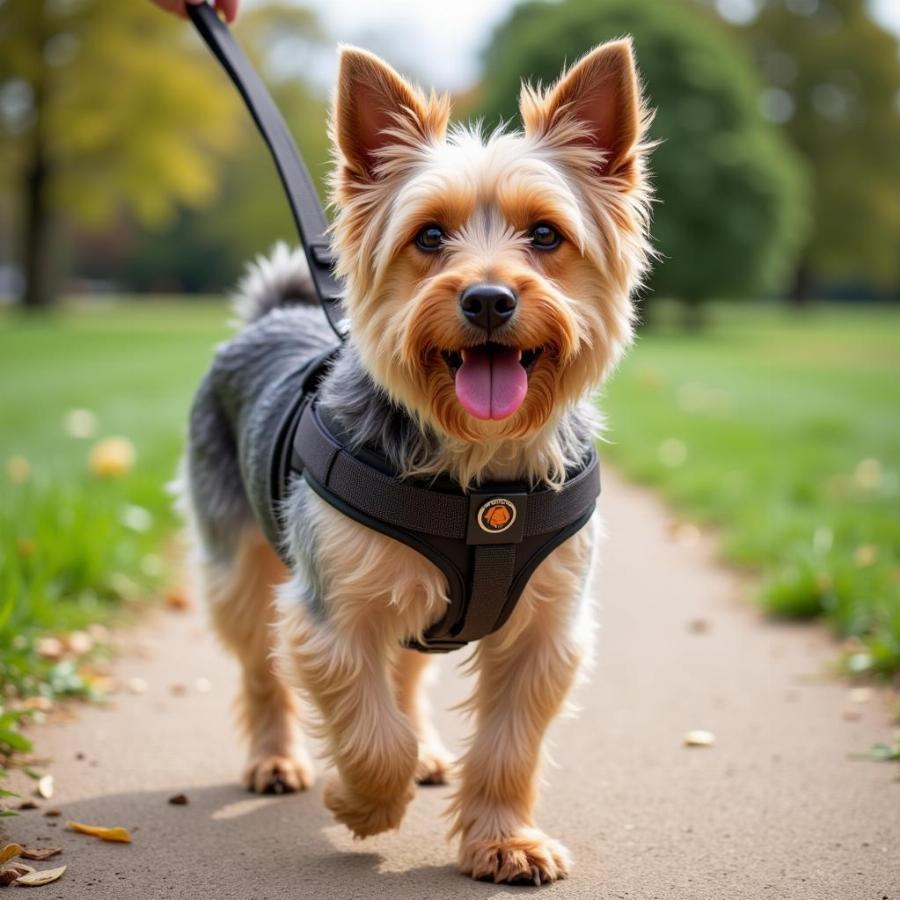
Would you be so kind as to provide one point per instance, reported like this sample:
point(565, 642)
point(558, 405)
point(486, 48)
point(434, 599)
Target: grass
point(75, 547)
point(782, 430)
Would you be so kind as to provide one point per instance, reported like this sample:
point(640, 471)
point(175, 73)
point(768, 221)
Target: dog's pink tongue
point(491, 384)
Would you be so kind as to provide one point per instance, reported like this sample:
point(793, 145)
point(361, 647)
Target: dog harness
point(487, 542)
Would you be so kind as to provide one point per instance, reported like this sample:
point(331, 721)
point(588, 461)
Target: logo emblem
point(496, 515)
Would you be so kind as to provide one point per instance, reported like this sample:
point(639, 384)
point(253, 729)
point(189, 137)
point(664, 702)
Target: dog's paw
point(275, 774)
point(435, 764)
point(527, 857)
point(365, 816)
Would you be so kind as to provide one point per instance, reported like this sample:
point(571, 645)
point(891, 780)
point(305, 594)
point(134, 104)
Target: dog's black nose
point(488, 306)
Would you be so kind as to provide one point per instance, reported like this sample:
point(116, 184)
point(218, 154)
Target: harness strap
point(405, 505)
point(301, 193)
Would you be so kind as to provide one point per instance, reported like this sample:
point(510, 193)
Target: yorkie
point(548, 229)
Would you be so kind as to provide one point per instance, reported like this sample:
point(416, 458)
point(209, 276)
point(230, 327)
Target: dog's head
point(490, 280)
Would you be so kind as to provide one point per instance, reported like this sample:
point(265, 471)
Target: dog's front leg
point(345, 668)
point(525, 672)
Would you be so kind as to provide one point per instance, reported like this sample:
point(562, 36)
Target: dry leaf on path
point(116, 833)
point(45, 876)
point(12, 872)
point(10, 851)
point(45, 786)
point(179, 800)
point(39, 853)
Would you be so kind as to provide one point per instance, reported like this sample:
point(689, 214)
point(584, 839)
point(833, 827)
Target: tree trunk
point(37, 233)
point(38, 268)
point(801, 296)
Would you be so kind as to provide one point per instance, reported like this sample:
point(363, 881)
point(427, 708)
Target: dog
point(553, 221)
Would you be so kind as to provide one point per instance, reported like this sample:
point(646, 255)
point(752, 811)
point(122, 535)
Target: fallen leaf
point(136, 685)
point(178, 689)
point(115, 833)
point(12, 872)
point(45, 787)
point(27, 804)
point(112, 457)
point(50, 648)
point(53, 813)
point(177, 599)
point(10, 851)
point(40, 704)
point(40, 853)
point(699, 738)
point(45, 876)
point(179, 800)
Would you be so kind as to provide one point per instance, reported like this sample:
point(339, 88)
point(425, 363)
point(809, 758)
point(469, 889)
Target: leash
point(301, 193)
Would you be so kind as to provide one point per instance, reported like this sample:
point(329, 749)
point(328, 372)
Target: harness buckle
point(496, 517)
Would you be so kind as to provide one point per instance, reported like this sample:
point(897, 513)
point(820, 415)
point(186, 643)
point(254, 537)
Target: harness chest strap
point(487, 542)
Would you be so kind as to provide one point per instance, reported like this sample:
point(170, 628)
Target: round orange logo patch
point(496, 515)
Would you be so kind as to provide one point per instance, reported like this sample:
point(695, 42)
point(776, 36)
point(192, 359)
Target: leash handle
point(301, 193)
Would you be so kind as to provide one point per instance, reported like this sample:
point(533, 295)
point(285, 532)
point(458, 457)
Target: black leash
point(301, 193)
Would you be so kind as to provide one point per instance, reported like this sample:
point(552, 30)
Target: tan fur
point(580, 166)
point(242, 609)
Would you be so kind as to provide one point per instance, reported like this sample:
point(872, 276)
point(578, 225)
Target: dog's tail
point(279, 279)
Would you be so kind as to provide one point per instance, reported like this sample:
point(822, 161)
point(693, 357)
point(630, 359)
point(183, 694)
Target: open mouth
point(491, 379)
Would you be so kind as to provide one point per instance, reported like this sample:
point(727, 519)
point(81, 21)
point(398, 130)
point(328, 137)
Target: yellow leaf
point(10, 851)
point(105, 834)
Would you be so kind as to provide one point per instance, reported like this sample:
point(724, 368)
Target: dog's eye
point(430, 238)
point(544, 236)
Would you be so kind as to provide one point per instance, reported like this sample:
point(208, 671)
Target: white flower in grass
point(136, 518)
point(80, 423)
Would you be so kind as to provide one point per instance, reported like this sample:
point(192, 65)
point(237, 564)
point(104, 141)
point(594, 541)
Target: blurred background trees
point(833, 85)
point(97, 121)
point(732, 210)
point(127, 163)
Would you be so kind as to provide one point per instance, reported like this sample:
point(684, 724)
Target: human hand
point(228, 8)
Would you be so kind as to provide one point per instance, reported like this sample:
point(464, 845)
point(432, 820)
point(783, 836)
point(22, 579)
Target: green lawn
point(784, 431)
point(74, 546)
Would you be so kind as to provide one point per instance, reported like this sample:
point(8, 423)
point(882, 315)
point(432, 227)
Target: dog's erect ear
point(376, 108)
point(600, 96)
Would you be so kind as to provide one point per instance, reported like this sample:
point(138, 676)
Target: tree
point(833, 78)
point(104, 105)
point(205, 249)
point(730, 191)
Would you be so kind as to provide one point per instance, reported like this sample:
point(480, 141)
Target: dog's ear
point(376, 108)
point(597, 102)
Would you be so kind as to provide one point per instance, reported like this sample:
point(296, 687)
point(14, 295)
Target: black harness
point(487, 542)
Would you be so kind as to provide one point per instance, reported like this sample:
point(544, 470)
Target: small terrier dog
point(555, 220)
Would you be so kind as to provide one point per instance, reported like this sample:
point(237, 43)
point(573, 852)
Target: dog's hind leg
point(241, 601)
point(435, 761)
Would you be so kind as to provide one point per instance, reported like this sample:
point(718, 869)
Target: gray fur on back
point(248, 389)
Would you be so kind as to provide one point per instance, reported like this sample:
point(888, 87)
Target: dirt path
point(774, 810)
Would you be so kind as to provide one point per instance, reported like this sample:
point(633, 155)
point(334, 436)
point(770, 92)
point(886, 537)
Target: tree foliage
point(104, 105)
point(206, 248)
point(730, 210)
point(833, 77)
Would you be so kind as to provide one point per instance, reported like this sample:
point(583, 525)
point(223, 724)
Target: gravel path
point(775, 809)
